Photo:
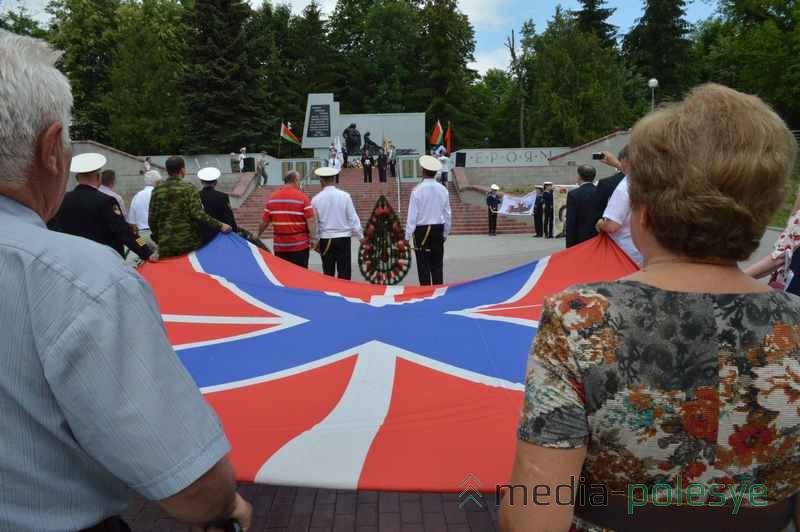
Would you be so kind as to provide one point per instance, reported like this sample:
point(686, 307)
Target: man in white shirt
point(337, 222)
point(140, 204)
point(445, 160)
point(429, 221)
point(616, 221)
point(242, 155)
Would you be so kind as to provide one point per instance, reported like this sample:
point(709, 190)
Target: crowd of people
point(681, 376)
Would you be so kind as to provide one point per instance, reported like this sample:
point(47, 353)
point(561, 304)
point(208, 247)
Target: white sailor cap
point(494, 187)
point(326, 171)
point(548, 183)
point(429, 163)
point(208, 174)
point(87, 162)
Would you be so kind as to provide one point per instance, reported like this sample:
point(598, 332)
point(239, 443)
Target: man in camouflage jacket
point(176, 214)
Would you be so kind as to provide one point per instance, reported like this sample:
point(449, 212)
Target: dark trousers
point(299, 258)
point(492, 223)
point(393, 168)
point(367, 173)
point(112, 524)
point(336, 257)
point(430, 254)
point(548, 222)
point(538, 223)
point(382, 174)
point(444, 178)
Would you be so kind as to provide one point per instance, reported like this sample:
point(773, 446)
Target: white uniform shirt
point(108, 192)
point(445, 160)
point(241, 162)
point(429, 205)
point(619, 210)
point(140, 208)
point(336, 214)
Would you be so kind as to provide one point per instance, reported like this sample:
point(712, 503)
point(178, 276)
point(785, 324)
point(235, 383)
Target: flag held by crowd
point(326, 383)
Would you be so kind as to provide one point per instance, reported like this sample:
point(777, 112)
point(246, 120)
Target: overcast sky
point(493, 19)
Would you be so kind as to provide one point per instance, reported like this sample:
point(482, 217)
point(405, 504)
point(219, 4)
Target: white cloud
point(486, 14)
point(497, 58)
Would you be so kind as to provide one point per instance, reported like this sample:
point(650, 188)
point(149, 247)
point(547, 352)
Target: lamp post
point(653, 84)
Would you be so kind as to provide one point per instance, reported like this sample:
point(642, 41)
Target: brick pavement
point(278, 508)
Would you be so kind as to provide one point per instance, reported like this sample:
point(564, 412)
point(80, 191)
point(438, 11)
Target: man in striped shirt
point(292, 218)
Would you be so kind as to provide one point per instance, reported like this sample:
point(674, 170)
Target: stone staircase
point(467, 219)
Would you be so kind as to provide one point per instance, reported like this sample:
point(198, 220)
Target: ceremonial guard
point(337, 221)
point(493, 203)
point(218, 205)
point(177, 215)
point(367, 163)
point(429, 222)
point(383, 164)
point(548, 209)
point(538, 212)
point(88, 213)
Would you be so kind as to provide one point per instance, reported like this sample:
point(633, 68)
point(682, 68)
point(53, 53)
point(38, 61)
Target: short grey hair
point(33, 96)
point(151, 178)
point(291, 177)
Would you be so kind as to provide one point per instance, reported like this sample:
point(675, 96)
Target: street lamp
point(653, 84)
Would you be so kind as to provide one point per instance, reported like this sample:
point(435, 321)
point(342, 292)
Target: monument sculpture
point(352, 139)
point(370, 146)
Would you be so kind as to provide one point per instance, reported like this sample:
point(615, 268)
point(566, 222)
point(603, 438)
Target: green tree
point(578, 93)
point(85, 30)
point(392, 46)
point(496, 107)
point(448, 45)
point(593, 18)
point(347, 36)
point(219, 78)
point(145, 104)
point(20, 22)
point(658, 46)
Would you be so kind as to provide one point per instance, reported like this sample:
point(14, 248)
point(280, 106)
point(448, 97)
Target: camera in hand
point(598, 156)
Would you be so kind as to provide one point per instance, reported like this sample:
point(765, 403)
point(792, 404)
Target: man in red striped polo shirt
point(293, 223)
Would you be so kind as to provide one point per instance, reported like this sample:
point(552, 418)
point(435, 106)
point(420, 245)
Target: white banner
point(517, 205)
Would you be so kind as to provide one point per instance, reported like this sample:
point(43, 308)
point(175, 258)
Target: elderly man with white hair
point(95, 402)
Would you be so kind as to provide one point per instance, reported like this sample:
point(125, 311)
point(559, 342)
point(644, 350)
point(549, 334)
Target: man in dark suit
point(538, 212)
point(218, 205)
point(88, 213)
point(367, 162)
point(606, 187)
point(547, 196)
point(215, 203)
point(579, 226)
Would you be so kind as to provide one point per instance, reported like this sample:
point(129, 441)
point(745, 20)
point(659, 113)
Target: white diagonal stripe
point(332, 453)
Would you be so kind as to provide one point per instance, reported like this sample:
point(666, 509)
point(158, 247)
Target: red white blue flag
point(327, 383)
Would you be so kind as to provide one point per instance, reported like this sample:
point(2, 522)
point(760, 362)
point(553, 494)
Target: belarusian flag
point(448, 139)
point(288, 136)
point(438, 133)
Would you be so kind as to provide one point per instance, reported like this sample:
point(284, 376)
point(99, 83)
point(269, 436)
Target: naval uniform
point(548, 213)
point(429, 221)
point(218, 206)
point(337, 221)
point(538, 212)
point(88, 213)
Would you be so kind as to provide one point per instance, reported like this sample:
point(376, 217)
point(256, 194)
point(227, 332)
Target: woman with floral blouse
point(674, 393)
point(776, 264)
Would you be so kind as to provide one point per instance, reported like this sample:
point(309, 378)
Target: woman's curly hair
point(710, 172)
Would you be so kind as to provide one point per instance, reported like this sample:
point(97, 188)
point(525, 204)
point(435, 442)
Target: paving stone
point(344, 522)
point(389, 522)
point(431, 502)
point(389, 502)
point(323, 515)
point(346, 502)
point(453, 514)
point(410, 512)
point(367, 514)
